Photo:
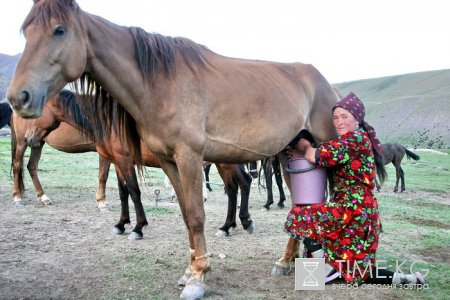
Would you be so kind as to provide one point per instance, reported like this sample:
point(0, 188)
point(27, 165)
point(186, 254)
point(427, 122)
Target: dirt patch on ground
point(67, 251)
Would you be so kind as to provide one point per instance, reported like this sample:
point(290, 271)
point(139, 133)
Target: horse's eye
point(59, 31)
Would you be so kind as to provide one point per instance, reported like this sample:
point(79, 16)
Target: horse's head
point(35, 130)
point(55, 54)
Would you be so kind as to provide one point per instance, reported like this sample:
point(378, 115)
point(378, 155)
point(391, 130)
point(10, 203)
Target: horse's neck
point(105, 62)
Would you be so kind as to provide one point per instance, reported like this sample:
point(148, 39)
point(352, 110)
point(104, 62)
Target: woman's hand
point(294, 153)
point(300, 150)
point(303, 145)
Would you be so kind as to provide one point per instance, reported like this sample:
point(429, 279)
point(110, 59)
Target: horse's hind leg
point(267, 168)
point(32, 167)
point(244, 181)
point(279, 181)
point(283, 265)
point(377, 184)
point(206, 170)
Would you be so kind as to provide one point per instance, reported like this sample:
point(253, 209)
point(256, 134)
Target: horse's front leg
point(18, 151)
point(128, 185)
point(402, 176)
point(32, 167)
point(119, 228)
point(397, 174)
point(171, 170)
point(283, 266)
point(231, 189)
point(103, 173)
point(244, 181)
point(189, 165)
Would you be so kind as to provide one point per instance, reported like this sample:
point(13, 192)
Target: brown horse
point(189, 103)
point(64, 124)
point(62, 137)
point(394, 153)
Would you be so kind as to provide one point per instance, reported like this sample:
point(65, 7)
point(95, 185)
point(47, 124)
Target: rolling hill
point(413, 109)
point(7, 66)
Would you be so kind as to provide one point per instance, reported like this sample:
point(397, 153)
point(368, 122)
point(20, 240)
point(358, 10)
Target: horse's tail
point(412, 155)
point(13, 153)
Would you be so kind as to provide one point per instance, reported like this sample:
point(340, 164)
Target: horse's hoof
point(281, 205)
point(18, 203)
point(194, 289)
point(135, 236)
point(117, 231)
point(183, 280)
point(105, 209)
point(46, 200)
point(280, 270)
point(221, 233)
point(251, 228)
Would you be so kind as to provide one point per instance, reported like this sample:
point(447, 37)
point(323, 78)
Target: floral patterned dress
point(348, 224)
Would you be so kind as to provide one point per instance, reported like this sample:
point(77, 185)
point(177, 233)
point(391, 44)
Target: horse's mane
point(155, 53)
point(67, 101)
point(106, 114)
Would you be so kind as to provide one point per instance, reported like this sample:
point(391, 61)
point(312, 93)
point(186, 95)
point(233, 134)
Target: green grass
point(416, 223)
point(431, 173)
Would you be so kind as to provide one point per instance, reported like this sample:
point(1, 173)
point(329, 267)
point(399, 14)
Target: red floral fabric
point(348, 224)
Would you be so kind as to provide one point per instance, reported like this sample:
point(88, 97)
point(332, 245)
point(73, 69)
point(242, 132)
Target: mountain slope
point(7, 67)
point(413, 109)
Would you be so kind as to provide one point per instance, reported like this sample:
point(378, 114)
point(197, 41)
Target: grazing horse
point(189, 103)
point(394, 153)
point(64, 124)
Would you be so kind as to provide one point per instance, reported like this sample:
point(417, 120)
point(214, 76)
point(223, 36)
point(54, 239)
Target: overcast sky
point(346, 39)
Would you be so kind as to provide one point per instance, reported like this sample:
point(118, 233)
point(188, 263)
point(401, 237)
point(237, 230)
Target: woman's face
point(344, 121)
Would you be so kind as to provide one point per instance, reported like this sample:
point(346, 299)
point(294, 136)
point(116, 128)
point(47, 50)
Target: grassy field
point(416, 223)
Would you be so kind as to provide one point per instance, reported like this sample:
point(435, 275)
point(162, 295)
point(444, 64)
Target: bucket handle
point(289, 170)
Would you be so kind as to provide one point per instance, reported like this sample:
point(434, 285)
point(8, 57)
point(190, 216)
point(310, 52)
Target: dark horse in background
point(64, 126)
point(269, 168)
point(5, 114)
point(189, 104)
point(394, 153)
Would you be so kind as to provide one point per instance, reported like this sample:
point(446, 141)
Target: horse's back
point(249, 97)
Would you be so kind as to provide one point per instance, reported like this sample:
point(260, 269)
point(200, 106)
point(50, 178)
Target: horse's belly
point(69, 139)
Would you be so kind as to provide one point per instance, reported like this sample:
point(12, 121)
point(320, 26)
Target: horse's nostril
point(25, 98)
